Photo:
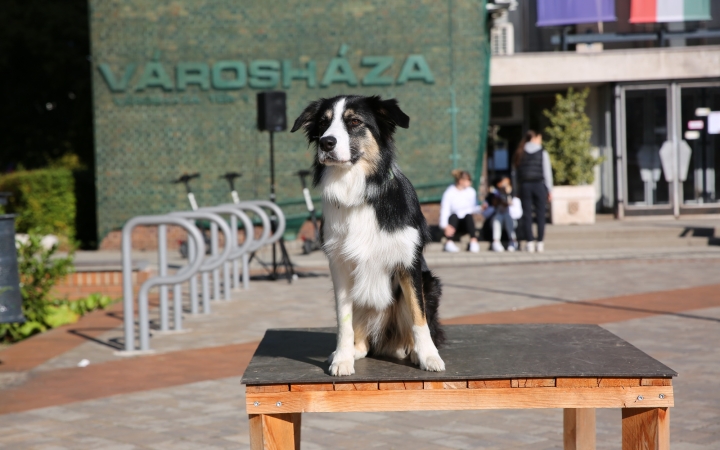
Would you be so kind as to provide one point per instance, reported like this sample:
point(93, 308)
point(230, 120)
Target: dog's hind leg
point(342, 360)
point(424, 352)
point(360, 328)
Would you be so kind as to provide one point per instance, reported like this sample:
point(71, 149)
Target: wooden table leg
point(275, 431)
point(579, 428)
point(646, 428)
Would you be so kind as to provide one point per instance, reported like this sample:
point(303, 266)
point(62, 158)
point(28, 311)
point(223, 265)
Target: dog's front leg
point(342, 361)
point(424, 352)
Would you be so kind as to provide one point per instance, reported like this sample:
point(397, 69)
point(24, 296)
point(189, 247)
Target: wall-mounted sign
point(691, 135)
point(696, 124)
point(714, 122)
point(232, 75)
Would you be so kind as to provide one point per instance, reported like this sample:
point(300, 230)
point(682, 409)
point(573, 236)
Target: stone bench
point(575, 367)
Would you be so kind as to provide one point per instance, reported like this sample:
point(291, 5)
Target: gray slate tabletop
point(298, 355)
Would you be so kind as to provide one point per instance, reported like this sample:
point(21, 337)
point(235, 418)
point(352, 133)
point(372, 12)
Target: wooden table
point(575, 367)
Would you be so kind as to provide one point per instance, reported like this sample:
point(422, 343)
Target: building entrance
point(669, 136)
point(701, 131)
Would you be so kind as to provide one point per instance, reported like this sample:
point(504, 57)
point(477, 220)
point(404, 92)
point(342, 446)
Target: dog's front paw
point(431, 363)
point(342, 367)
point(340, 364)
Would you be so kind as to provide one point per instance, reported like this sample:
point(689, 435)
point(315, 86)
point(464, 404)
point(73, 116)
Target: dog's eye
point(355, 122)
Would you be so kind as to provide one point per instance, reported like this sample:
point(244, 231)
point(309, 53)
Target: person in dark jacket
point(534, 174)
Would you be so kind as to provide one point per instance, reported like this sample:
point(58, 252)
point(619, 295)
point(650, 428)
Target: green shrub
point(43, 199)
point(39, 272)
point(567, 140)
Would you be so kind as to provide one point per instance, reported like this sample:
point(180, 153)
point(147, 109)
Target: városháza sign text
point(134, 80)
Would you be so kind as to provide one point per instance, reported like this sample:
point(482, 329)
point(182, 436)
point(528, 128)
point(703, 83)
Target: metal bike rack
point(256, 245)
point(210, 264)
point(239, 251)
point(193, 266)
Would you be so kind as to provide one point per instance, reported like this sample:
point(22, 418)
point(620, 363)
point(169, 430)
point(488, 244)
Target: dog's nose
point(327, 143)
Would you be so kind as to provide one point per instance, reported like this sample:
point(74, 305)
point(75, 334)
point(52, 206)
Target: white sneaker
point(451, 247)
point(530, 247)
point(540, 247)
point(474, 247)
point(512, 246)
point(497, 247)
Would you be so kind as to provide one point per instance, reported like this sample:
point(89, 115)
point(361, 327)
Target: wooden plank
point(400, 385)
point(433, 385)
point(259, 389)
point(579, 429)
point(275, 431)
point(356, 386)
point(532, 382)
point(312, 387)
point(656, 382)
point(618, 382)
point(489, 384)
point(646, 428)
point(460, 399)
point(454, 384)
point(576, 382)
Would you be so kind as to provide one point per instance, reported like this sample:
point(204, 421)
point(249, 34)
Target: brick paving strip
point(63, 386)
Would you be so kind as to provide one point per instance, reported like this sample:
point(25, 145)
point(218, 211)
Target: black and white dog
point(373, 233)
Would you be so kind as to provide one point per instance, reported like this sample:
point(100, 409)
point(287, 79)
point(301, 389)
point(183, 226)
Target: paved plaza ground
point(664, 299)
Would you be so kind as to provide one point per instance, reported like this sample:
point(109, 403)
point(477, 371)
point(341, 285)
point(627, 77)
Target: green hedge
point(43, 199)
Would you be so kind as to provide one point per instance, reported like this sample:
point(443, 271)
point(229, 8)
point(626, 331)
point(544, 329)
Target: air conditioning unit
point(502, 39)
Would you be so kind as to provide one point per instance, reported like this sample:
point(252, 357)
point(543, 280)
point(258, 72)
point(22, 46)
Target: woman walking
point(534, 173)
point(458, 204)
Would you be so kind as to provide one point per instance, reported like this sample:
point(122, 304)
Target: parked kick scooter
point(309, 245)
point(185, 179)
point(230, 177)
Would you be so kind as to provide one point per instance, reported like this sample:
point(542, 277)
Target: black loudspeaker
point(271, 111)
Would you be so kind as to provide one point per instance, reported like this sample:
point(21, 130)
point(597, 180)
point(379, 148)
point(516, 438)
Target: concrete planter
point(573, 205)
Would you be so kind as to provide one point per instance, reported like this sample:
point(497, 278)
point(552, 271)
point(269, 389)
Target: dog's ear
point(306, 116)
point(391, 111)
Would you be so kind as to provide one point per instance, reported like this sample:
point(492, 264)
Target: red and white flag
point(650, 11)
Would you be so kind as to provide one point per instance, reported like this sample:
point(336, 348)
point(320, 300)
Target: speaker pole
point(272, 196)
point(272, 167)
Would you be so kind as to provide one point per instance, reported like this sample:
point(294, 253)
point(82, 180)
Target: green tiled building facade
point(175, 85)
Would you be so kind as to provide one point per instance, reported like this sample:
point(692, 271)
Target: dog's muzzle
point(329, 151)
point(328, 143)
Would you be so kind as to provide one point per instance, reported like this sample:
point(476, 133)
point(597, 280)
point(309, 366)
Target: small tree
point(567, 140)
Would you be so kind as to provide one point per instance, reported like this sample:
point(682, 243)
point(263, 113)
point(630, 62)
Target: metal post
point(193, 280)
point(128, 300)
point(246, 271)
point(214, 252)
point(162, 270)
point(236, 274)
point(235, 266)
point(227, 288)
point(675, 128)
point(177, 307)
point(619, 146)
point(206, 292)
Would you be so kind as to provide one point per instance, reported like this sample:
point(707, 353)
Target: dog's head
point(351, 129)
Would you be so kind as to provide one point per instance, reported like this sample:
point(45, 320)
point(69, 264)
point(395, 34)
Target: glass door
point(699, 150)
point(645, 133)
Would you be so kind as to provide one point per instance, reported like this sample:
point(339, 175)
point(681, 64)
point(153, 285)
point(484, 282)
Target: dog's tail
point(432, 291)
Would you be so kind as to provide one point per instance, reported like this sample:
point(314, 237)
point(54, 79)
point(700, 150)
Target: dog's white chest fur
point(353, 237)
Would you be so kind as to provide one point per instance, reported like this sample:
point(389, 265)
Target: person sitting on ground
point(503, 210)
point(458, 204)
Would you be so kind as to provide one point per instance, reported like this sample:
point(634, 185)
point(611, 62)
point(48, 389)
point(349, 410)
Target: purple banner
point(570, 12)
